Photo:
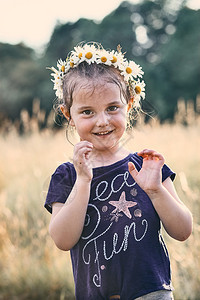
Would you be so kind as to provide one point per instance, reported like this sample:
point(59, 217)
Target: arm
point(68, 219)
point(175, 216)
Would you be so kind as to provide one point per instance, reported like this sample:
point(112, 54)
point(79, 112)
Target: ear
point(67, 115)
point(65, 112)
point(130, 103)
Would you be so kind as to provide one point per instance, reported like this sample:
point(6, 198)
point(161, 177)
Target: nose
point(102, 119)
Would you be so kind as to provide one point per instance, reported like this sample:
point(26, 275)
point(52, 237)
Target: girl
point(107, 206)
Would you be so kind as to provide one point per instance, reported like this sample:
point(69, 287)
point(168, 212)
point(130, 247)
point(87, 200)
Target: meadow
point(31, 266)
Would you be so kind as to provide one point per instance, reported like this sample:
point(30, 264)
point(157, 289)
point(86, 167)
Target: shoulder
point(64, 173)
point(64, 169)
point(61, 183)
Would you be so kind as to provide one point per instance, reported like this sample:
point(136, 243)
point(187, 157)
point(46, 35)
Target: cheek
point(83, 126)
point(120, 119)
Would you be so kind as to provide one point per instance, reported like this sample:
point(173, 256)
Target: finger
point(83, 151)
point(145, 152)
point(82, 144)
point(132, 169)
point(154, 155)
point(157, 156)
point(150, 154)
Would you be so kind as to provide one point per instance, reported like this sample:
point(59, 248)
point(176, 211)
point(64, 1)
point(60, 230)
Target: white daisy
point(131, 69)
point(54, 70)
point(89, 54)
point(62, 66)
point(104, 57)
point(117, 59)
point(78, 52)
point(59, 93)
point(77, 55)
point(137, 70)
point(140, 89)
point(57, 78)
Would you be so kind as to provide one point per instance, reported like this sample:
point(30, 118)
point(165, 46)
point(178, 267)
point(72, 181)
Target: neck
point(105, 158)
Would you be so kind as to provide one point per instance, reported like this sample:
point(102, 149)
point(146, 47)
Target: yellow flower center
point(128, 70)
point(80, 55)
point(138, 89)
point(114, 60)
point(71, 64)
point(88, 55)
point(103, 59)
point(63, 68)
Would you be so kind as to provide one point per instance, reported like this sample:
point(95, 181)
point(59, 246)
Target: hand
point(149, 178)
point(81, 160)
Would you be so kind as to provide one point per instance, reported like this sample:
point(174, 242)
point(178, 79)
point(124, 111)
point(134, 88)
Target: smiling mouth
point(103, 133)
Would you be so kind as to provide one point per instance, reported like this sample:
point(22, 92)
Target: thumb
point(132, 169)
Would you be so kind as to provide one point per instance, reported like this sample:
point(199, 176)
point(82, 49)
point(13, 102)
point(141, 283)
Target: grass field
point(31, 266)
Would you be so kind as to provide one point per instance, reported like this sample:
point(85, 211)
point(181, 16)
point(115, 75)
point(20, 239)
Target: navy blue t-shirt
point(121, 250)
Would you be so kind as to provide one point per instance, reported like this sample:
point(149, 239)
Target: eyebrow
point(91, 107)
point(84, 107)
point(114, 103)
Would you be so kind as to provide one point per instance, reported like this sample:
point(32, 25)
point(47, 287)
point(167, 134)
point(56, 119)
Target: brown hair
point(92, 72)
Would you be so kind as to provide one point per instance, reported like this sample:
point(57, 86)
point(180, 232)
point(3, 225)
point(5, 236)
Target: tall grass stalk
point(31, 266)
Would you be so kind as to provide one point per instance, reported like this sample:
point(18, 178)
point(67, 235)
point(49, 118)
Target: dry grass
point(180, 146)
point(31, 266)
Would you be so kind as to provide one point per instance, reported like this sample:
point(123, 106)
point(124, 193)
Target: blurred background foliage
point(163, 36)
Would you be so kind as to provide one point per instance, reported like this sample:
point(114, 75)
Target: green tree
point(160, 35)
point(66, 36)
point(178, 71)
point(20, 78)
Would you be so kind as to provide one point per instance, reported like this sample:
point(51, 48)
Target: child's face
point(99, 115)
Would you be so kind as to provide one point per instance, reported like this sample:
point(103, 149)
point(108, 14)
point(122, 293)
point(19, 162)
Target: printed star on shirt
point(123, 205)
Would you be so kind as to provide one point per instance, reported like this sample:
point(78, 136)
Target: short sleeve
point(167, 172)
point(60, 186)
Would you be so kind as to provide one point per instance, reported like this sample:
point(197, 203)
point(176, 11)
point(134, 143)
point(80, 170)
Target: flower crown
point(95, 53)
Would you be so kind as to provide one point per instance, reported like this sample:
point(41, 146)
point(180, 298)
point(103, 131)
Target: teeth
point(102, 133)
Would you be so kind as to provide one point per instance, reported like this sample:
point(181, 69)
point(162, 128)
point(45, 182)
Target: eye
point(87, 112)
point(112, 108)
